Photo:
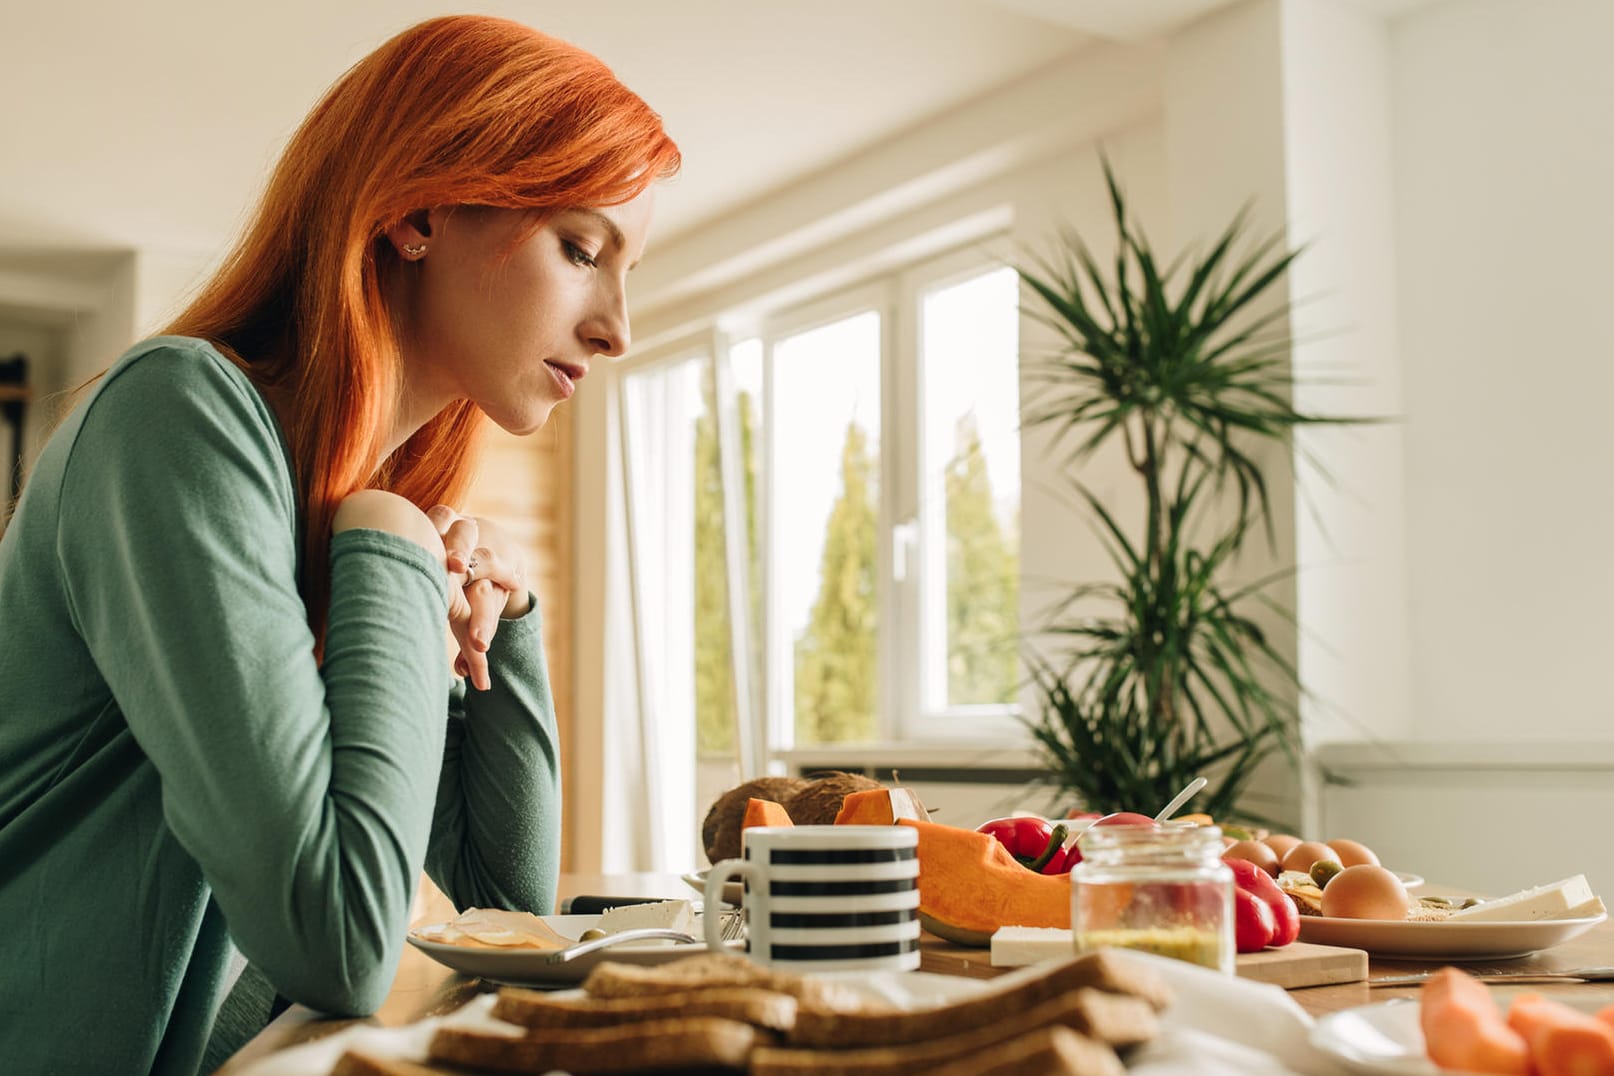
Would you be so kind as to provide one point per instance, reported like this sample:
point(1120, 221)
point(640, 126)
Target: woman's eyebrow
point(609, 225)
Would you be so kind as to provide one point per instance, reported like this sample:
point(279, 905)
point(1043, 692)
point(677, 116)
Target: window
point(841, 512)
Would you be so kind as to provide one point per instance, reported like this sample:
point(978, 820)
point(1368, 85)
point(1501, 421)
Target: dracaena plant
point(1163, 675)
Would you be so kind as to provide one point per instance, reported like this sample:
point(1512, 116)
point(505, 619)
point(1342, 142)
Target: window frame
point(905, 715)
point(927, 588)
point(870, 296)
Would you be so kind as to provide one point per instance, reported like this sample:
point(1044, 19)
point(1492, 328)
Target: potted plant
point(1165, 675)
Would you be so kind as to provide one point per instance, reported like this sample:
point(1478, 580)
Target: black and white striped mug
point(826, 898)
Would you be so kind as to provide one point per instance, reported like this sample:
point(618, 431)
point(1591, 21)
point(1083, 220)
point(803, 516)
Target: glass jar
point(1161, 889)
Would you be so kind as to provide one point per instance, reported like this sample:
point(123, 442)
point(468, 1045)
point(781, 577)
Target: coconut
point(721, 831)
point(819, 802)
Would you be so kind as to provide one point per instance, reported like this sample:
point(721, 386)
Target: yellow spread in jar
point(1195, 945)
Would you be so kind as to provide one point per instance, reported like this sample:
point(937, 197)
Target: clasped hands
point(491, 579)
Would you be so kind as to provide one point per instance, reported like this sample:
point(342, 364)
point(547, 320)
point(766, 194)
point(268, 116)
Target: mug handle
point(716, 878)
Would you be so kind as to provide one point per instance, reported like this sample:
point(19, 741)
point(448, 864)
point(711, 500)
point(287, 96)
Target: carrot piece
point(1463, 1028)
point(1563, 1041)
point(764, 813)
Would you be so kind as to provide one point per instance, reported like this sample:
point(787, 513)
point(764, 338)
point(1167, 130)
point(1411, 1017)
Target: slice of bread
point(711, 970)
point(1020, 991)
point(1048, 1051)
point(696, 1043)
point(359, 1063)
point(536, 1010)
point(1117, 1021)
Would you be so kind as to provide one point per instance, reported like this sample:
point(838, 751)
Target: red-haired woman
point(228, 727)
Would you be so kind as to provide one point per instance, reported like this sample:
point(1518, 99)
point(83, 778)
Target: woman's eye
point(577, 255)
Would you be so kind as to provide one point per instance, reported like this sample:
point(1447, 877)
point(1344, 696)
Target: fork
point(572, 952)
point(733, 926)
point(733, 929)
point(1586, 975)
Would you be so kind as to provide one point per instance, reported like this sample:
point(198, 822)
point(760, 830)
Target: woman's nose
point(606, 331)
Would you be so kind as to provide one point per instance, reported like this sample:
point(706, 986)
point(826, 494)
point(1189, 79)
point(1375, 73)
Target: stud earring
point(414, 251)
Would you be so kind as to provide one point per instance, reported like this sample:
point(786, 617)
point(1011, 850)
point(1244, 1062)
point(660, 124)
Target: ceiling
point(153, 125)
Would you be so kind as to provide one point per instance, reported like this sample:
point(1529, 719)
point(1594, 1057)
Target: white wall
point(1490, 818)
point(1504, 162)
point(1350, 523)
point(1502, 159)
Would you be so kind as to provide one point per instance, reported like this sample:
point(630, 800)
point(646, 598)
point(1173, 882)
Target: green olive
point(592, 933)
point(1323, 871)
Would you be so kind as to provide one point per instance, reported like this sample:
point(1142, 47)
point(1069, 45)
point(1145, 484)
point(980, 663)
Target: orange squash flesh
point(968, 881)
point(881, 807)
point(765, 813)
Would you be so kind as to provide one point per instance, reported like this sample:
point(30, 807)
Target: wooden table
point(425, 988)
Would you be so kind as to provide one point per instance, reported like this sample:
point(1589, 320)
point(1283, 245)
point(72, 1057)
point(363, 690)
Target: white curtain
point(648, 802)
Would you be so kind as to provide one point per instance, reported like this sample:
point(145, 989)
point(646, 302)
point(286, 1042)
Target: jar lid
point(1181, 839)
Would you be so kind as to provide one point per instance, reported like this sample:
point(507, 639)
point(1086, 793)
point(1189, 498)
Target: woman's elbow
point(353, 984)
point(353, 995)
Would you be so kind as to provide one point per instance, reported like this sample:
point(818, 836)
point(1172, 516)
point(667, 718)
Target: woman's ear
point(411, 236)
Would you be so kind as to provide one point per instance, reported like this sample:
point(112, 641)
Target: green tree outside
point(836, 660)
point(716, 716)
point(983, 582)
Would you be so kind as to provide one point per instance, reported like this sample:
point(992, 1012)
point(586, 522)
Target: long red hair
point(462, 110)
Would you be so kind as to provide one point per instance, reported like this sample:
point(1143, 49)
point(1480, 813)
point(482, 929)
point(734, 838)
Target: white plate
point(732, 891)
point(1409, 881)
point(530, 967)
point(1443, 941)
point(1385, 1039)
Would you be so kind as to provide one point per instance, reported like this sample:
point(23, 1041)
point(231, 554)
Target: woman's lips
point(566, 376)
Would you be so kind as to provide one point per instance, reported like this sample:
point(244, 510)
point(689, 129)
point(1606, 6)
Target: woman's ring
point(470, 570)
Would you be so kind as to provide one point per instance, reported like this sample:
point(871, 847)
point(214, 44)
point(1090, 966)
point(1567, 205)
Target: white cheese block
point(1589, 910)
point(666, 915)
point(1555, 901)
point(1013, 947)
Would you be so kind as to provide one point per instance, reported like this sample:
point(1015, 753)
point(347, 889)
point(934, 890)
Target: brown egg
point(1365, 892)
point(1304, 854)
point(1353, 854)
point(1280, 843)
point(1256, 853)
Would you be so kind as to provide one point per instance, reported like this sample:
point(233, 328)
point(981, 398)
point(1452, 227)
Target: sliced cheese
point(663, 915)
point(1560, 900)
point(1013, 947)
point(1591, 909)
point(495, 928)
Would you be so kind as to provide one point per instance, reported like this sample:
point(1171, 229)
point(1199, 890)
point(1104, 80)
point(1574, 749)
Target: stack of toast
point(720, 1013)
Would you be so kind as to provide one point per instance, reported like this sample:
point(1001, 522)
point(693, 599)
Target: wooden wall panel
point(525, 485)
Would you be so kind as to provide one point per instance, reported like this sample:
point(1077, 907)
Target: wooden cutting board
point(1295, 965)
point(1304, 964)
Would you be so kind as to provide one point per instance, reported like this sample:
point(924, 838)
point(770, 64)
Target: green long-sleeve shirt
point(177, 773)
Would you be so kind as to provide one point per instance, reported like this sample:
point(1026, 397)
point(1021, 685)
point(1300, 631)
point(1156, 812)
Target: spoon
point(1181, 798)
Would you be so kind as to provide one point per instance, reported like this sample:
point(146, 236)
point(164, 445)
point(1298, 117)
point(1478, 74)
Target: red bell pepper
point(1253, 922)
point(1033, 842)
